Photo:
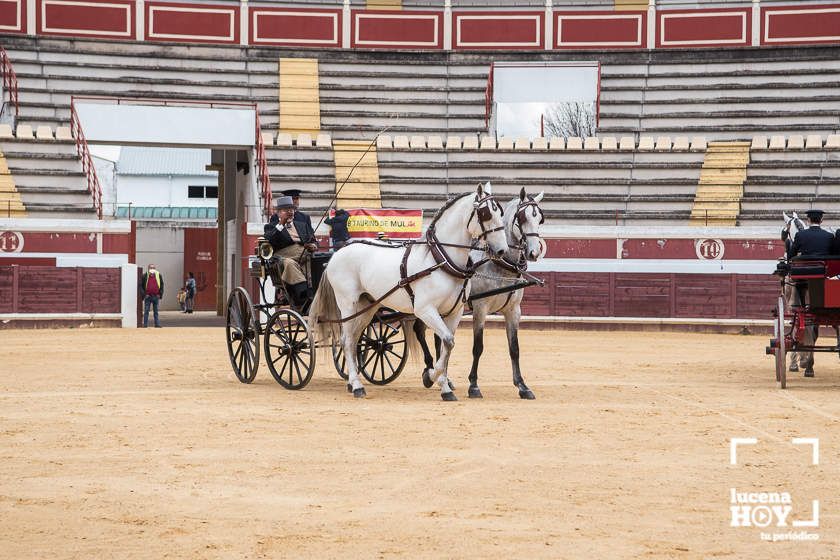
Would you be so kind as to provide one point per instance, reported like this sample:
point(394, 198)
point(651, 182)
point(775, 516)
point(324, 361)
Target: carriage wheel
point(242, 335)
point(382, 351)
point(781, 351)
point(289, 349)
point(339, 361)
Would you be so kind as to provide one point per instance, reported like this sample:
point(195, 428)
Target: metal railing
point(94, 188)
point(10, 82)
point(263, 178)
point(488, 98)
point(262, 167)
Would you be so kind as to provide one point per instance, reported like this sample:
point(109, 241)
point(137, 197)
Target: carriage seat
point(824, 266)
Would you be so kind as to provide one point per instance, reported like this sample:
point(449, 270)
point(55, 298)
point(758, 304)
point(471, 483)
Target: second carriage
point(278, 327)
point(821, 277)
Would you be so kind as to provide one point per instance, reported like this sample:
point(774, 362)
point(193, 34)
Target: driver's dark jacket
point(280, 238)
point(812, 242)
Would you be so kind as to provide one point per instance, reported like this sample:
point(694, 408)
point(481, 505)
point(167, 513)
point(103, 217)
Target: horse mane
point(447, 205)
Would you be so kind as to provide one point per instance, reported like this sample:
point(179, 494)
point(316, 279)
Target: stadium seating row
point(646, 143)
point(796, 142)
point(304, 140)
point(44, 132)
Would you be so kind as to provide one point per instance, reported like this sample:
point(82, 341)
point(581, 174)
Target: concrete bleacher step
point(356, 174)
point(721, 183)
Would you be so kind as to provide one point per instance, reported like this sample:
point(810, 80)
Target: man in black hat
point(291, 240)
point(300, 216)
point(813, 241)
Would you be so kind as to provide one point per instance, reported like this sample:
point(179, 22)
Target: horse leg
point(512, 329)
point(479, 316)
point(350, 333)
point(429, 362)
point(435, 322)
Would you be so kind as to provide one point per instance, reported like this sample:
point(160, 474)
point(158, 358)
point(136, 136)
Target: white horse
point(523, 218)
point(793, 225)
point(429, 279)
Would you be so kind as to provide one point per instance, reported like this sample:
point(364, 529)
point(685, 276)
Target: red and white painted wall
point(657, 275)
point(684, 276)
point(340, 26)
point(67, 271)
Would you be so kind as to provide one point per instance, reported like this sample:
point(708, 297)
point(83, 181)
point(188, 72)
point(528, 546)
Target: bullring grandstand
point(712, 118)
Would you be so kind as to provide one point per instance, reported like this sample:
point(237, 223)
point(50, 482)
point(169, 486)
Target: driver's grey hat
point(284, 202)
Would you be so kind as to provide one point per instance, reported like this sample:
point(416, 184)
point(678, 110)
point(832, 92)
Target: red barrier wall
point(48, 289)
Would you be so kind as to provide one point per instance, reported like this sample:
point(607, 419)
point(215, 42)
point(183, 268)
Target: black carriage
point(821, 308)
point(287, 341)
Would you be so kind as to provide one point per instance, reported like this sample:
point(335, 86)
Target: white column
point(447, 25)
point(756, 23)
point(243, 22)
point(549, 25)
point(30, 17)
point(651, 26)
point(345, 25)
point(128, 298)
point(140, 20)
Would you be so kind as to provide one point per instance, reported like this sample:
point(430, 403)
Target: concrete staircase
point(49, 178)
point(11, 205)
point(717, 200)
point(299, 97)
point(360, 185)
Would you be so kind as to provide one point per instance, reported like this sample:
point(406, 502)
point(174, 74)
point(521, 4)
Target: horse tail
point(323, 310)
point(412, 343)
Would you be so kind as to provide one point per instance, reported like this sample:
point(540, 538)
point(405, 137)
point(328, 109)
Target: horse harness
point(521, 266)
point(483, 211)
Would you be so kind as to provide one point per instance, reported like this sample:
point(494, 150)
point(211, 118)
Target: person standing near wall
point(151, 286)
point(189, 286)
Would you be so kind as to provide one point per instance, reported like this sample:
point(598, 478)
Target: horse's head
point(796, 223)
point(489, 222)
point(526, 224)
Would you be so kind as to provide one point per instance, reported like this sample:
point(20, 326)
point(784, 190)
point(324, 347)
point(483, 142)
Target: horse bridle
point(522, 217)
point(483, 209)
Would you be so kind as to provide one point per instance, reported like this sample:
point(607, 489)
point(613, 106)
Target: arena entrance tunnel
point(229, 130)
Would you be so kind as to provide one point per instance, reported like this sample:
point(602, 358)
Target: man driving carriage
point(292, 238)
point(810, 242)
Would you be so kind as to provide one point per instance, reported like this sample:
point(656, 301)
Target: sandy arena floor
point(142, 444)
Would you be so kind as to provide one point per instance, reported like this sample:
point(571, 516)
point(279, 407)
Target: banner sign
point(395, 224)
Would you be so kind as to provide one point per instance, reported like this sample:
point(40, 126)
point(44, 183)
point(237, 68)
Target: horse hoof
point(809, 372)
point(449, 397)
point(475, 393)
point(527, 395)
point(349, 388)
point(359, 393)
point(427, 379)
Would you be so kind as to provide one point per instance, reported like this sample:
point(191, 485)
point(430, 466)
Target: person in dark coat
point(813, 241)
point(291, 240)
point(301, 217)
point(338, 228)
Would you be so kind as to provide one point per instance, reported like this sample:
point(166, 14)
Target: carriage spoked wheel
point(339, 360)
point(289, 349)
point(243, 333)
point(381, 353)
point(781, 351)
